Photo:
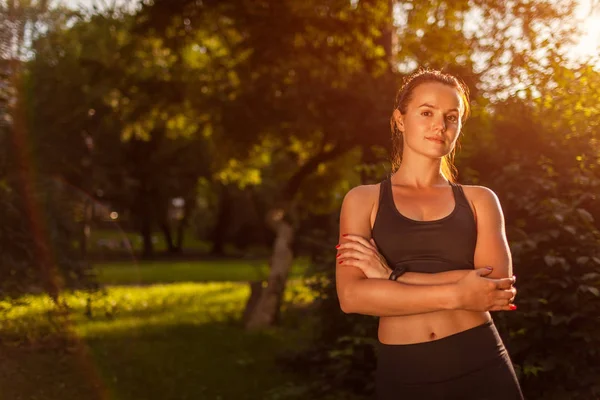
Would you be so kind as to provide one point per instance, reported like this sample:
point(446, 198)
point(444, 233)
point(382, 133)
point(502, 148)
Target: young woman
point(430, 258)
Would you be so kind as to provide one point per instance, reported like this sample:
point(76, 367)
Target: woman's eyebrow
point(431, 106)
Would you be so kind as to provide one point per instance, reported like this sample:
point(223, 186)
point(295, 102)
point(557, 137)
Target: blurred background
point(171, 173)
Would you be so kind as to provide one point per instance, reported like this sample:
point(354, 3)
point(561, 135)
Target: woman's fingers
point(501, 308)
point(361, 240)
point(353, 254)
point(503, 296)
point(503, 283)
point(501, 303)
point(372, 241)
point(352, 262)
point(357, 246)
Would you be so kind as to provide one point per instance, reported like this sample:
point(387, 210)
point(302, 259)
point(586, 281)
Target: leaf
point(585, 215)
point(582, 260)
point(590, 276)
point(559, 217)
point(590, 289)
point(550, 260)
point(558, 319)
point(531, 370)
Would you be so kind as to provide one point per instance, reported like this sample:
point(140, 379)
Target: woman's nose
point(439, 123)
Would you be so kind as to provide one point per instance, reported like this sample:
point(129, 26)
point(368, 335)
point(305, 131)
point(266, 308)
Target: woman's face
point(432, 121)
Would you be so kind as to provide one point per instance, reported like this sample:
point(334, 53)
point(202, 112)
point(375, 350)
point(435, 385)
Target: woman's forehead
point(438, 95)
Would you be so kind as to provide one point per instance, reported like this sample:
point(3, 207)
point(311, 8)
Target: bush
point(37, 241)
point(553, 337)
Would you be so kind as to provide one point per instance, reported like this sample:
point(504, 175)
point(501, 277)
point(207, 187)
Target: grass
point(151, 272)
point(176, 341)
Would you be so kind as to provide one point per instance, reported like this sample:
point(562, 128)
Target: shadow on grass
point(187, 361)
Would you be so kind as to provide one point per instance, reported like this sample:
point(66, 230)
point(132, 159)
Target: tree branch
point(310, 166)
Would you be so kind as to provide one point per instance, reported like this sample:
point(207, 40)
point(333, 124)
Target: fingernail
point(514, 278)
point(489, 268)
point(344, 235)
point(513, 307)
point(337, 247)
point(341, 261)
point(337, 255)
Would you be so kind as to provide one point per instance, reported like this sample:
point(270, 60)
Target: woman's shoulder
point(482, 198)
point(477, 192)
point(360, 203)
point(362, 195)
point(363, 192)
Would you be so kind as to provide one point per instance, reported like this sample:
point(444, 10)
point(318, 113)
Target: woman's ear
point(399, 119)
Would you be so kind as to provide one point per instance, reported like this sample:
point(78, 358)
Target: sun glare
point(589, 42)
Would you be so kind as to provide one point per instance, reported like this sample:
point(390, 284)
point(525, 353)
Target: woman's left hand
point(362, 253)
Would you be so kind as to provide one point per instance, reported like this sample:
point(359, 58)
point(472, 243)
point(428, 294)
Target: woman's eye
point(453, 118)
point(426, 113)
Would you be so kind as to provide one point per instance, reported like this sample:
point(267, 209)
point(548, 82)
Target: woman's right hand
point(477, 293)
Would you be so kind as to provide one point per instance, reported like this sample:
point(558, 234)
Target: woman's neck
point(419, 172)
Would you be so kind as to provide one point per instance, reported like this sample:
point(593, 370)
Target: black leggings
point(472, 364)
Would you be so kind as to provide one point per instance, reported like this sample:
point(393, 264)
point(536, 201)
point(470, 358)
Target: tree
point(128, 136)
point(318, 74)
point(289, 89)
point(35, 235)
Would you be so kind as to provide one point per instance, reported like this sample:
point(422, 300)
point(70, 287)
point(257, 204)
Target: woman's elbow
point(346, 306)
point(347, 300)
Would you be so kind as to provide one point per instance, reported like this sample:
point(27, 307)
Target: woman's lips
point(436, 140)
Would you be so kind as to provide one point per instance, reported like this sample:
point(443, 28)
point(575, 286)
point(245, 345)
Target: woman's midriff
point(419, 328)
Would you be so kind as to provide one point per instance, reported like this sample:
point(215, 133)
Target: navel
point(432, 336)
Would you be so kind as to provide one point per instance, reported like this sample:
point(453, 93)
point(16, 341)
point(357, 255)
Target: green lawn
point(176, 341)
point(150, 272)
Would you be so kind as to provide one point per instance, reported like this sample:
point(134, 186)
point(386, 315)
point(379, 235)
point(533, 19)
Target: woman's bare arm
point(492, 247)
point(382, 297)
point(438, 278)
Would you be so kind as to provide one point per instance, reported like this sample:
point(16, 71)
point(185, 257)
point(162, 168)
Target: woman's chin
point(435, 153)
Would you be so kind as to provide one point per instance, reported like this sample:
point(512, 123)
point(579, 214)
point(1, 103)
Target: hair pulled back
point(405, 95)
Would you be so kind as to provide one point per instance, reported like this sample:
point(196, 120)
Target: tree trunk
point(266, 309)
point(183, 223)
point(85, 228)
point(148, 247)
point(180, 235)
point(256, 289)
point(218, 236)
point(166, 229)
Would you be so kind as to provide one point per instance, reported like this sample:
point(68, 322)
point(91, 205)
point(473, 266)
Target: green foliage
point(304, 82)
point(126, 134)
point(549, 199)
point(36, 238)
point(555, 251)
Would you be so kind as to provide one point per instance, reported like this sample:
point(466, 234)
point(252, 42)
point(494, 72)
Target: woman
point(430, 258)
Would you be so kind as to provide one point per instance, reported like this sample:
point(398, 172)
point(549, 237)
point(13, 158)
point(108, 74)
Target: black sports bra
point(425, 246)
